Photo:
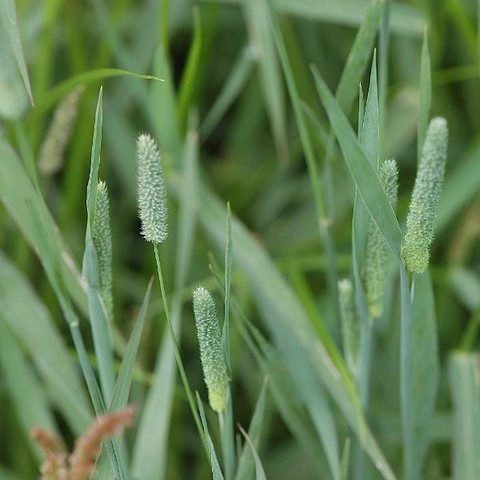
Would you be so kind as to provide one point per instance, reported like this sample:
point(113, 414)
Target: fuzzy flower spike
point(426, 192)
point(152, 199)
point(211, 350)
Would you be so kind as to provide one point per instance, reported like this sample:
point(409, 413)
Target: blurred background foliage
point(223, 91)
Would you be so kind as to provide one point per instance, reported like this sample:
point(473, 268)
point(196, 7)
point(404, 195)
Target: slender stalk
point(176, 350)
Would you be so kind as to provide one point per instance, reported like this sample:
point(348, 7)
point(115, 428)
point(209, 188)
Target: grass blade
point(259, 470)
point(233, 87)
point(464, 383)
point(363, 174)
point(262, 42)
point(216, 470)
point(359, 56)
point(419, 371)
point(10, 26)
point(98, 319)
point(245, 463)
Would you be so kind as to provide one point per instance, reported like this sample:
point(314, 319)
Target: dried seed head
point(211, 350)
point(152, 199)
point(426, 192)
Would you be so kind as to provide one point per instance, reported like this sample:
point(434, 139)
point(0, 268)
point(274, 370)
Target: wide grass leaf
point(419, 371)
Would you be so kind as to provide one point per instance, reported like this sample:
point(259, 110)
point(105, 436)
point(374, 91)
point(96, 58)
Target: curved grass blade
point(259, 470)
point(425, 95)
point(61, 90)
point(363, 174)
point(233, 87)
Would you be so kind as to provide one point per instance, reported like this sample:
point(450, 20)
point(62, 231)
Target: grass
point(271, 156)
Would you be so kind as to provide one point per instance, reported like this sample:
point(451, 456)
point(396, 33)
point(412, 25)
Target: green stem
point(176, 350)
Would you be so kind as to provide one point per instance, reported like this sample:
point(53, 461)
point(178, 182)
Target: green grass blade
point(359, 56)
point(58, 92)
point(188, 86)
point(246, 462)
point(98, 319)
point(425, 95)
point(216, 470)
point(363, 174)
point(262, 41)
point(419, 371)
point(464, 381)
point(259, 470)
point(125, 374)
point(233, 87)
point(10, 25)
point(31, 323)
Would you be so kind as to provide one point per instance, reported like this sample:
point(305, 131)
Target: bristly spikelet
point(376, 254)
point(350, 325)
point(102, 241)
point(211, 350)
point(152, 199)
point(426, 192)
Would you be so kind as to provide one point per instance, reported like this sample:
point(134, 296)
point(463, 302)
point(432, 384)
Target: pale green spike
point(152, 199)
point(102, 241)
point(426, 192)
point(211, 350)
point(376, 254)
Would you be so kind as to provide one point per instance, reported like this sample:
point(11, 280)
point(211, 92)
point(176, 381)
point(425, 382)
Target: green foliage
point(276, 188)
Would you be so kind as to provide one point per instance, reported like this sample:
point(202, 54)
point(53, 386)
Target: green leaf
point(464, 384)
point(97, 312)
point(259, 470)
point(262, 41)
point(363, 174)
point(231, 90)
point(216, 470)
point(11, 31)
point(359, 56)
point(125, 374)
point(257, 425)
point(419, 371)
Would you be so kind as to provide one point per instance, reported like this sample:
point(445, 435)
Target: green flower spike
point(102, 241)
point(152, 199)
point(211, 349)
point(423, 206)
point(376, 254)
point(350, 326)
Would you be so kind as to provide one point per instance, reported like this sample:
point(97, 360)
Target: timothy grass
point(328, 352)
